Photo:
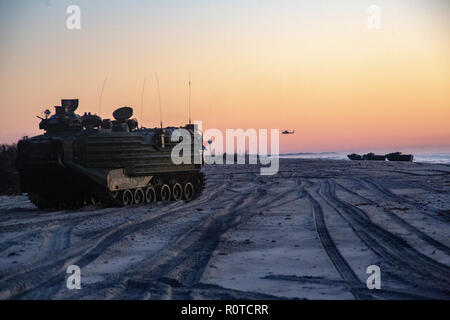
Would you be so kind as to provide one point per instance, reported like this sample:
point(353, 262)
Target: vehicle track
point(385, 293)
point(181, 264)
point(15, 284)
point(94, 252)
point(17, 240)
point(356, 194)
point(389, 194)
point(343, 268)
point(404, 260)
point(400, 221)
point(44, 220)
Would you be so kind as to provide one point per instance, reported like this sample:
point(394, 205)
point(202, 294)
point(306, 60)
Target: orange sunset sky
point(309, 66)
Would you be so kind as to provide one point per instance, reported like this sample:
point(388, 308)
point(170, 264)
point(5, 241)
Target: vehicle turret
point(64, 119)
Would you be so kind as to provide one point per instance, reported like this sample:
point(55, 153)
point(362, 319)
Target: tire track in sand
point(389, 194)
point(181, 264)
point(400, 221)
point(14, 285)
point(352, 281)
point(404, 260)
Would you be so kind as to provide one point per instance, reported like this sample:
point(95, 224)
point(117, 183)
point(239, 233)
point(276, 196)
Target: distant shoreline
point(442, 158)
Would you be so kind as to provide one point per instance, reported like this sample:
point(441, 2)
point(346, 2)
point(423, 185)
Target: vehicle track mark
point(400, 221)
point(405, 260)
point(343, 268)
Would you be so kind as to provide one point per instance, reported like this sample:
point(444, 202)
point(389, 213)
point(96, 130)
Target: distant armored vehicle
point(82, 159)
point(354, 156)
point(373, 156)
point(398, 156)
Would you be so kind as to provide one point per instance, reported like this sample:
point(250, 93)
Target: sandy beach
point(309, 232)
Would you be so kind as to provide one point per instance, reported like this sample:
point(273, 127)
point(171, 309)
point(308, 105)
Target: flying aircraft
point(287, 132)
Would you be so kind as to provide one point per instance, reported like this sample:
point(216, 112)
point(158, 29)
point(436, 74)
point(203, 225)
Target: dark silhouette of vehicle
point(398, 156)
point(354, 156)
point(373, 156)
point(82, 159)
point(287, 132)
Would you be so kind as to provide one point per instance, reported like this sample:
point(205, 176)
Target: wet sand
point(309, 232)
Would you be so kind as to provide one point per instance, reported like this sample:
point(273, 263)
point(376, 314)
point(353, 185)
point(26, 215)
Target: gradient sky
point(309, 66)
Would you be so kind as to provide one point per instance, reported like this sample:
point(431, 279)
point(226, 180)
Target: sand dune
point(309, 232)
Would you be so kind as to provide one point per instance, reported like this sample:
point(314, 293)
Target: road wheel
point(189, 191)
point(138, 196)
point(150, 195)
point(177, 192)
point(127, 197)
point(165, 192)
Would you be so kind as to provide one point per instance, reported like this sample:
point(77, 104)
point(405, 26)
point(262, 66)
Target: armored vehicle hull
point(87, 159)
point(354, 156)
point(398, 156)
point(372, 156)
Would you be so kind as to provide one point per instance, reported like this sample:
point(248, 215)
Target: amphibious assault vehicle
point(354, 156)
point(398, 156)
point(373, 156)
point(395, 156)
point(87, 159)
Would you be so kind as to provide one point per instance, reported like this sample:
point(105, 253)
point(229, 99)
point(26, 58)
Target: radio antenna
point(159, 98)
point(189, 97)
point(142, 102)
point(101, 97)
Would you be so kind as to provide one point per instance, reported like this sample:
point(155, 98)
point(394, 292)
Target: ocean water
point(312, 155)
point(426, 158)
point(433, 158)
